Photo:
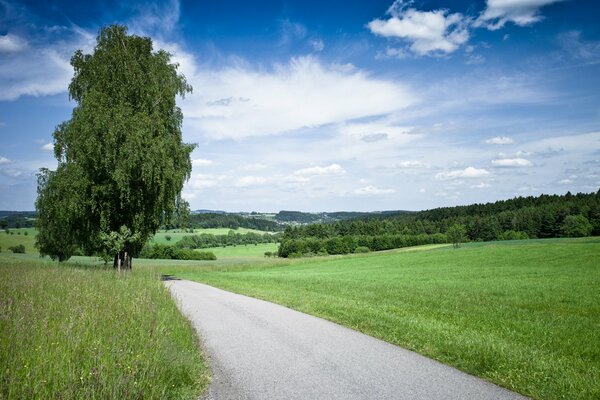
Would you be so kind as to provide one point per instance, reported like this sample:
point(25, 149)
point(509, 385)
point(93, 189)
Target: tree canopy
point(121, 159)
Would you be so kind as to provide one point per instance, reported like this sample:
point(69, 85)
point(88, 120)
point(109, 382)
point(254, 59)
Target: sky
point(328, 105)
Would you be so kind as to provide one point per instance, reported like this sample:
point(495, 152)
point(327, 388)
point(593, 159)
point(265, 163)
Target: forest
point(545, 216)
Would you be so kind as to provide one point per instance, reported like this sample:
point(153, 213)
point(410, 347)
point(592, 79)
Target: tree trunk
point(122, 261)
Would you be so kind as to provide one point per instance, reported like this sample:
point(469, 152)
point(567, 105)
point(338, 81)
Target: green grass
point(243, 251)
point(177, 234)
point(16, 237)
point(525, 314)
point(74, 332)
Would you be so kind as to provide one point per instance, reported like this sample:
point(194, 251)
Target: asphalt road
point(260, 350)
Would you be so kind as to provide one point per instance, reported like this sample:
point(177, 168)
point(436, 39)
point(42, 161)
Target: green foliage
point(232, 238)
point(576, 226)
point(121, 160)
point(168, 237)
point(17, 249)
point(361, 249)
point(456, 235)
point(165, 252)
point(88, 333)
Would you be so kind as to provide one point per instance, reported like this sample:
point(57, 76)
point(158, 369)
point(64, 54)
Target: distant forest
point(545, 216)
point(232, 221)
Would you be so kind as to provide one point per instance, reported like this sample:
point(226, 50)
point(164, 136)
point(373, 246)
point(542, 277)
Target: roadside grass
point(523, 314)
point(72, 331)
point(177, 234)
point(18, 236)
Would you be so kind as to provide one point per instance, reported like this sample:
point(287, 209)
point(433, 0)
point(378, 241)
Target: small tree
point(121, 159)
point(456, 235)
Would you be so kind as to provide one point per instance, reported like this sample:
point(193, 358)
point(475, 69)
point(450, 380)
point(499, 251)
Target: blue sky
point(322, 106)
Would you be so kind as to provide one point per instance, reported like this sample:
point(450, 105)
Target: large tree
point(121, 159)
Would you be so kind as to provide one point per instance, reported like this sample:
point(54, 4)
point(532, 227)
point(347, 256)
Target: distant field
point(177, 234)
point(16, 237)
point(243, 251)
point(522, 314)
point(74, 332)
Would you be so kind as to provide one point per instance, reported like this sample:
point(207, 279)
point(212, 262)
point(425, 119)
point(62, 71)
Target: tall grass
point(74, 332)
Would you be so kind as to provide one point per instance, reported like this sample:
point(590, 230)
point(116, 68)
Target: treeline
point(308, 218)
point(233, 221)
point(206, 240)
point(545, 216)
point(17, 219)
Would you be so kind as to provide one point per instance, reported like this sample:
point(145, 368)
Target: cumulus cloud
point(408, 164)
point(427, 32)
point(333, 169)
point(4, 160)
point(500, 140)
point(469, 172)
point(521, 12)
point(48, 147)
point(10, 43)
point(372, 191)
point(201, 162)
point(245, 181)
point(302, 93)
point(512, 162)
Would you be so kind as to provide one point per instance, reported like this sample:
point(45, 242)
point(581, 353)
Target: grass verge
point(79, 332)
point(525, 315)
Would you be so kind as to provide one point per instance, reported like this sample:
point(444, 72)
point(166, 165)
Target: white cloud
point(12, 44)
point(521, 12)
point(577, 48)
point(428, 32)
point(245, 181)
point(372, 191)
point(565, 181)
point(512, 162)
point(408, 164)
point(317, 44)
point(48, 147)
point(481, 185)
point(303, 93)
point(41, 68)
point(4, 160)
point(333, 169)
point(500, 140)
point(469, 172)
point(201, 162)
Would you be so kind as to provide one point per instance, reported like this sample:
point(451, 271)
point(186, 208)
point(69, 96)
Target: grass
point(16, 237)
point(243, 251)
point(73, 331)
point(177, 234)
point(524, 314)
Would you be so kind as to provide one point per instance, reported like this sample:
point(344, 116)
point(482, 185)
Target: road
point(260, 350)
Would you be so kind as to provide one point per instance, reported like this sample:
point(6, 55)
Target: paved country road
point(260, 350)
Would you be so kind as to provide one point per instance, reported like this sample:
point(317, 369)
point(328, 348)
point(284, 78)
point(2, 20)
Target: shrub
point(168, 237)
point(513, 235)
point(25, 233)
point(17, 249)
point(362, 249)
point(166, 252)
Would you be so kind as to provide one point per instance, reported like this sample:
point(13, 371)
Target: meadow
point(522, 314)
point(177, 234)
point(74, 331)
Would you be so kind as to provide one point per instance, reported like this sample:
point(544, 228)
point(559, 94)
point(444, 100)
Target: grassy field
point(24, 236)
point(243, 251)
point(525, 315)
point(73, 331)
point(177, 234)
